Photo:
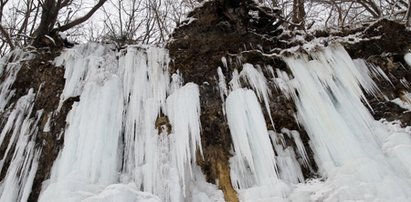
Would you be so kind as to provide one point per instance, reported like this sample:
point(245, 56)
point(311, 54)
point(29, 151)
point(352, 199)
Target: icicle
point(271, 70)
point(222, 86)
point(282, 82)
point(183, 109)
point(124, 136)
point(253, 151)
point(145, 82)
point(46, 128)
point(81, 64)
point(288, 166)
point(235, 81)
point(176, 82)
point(224, 61)
point(258, 82)
point(300, 146)
point(375, 70)
point(90, 156)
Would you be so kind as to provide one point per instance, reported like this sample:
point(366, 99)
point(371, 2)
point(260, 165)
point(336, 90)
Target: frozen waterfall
point(135, 134)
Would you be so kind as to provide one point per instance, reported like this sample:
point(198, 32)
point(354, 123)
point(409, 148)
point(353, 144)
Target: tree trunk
point(298, 15)
point(408, 14)
point(47, 21)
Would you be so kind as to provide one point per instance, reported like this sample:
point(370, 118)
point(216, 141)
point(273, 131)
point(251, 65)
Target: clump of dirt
point(163, 125)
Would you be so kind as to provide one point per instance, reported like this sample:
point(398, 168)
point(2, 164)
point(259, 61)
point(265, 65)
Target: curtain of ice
point(349, 144)
point(90, 158)
point(113, 148)
point(155, 160)
point(254, 165)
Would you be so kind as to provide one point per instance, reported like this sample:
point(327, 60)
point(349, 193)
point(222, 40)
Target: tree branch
point(7, 37)
point(81, 19)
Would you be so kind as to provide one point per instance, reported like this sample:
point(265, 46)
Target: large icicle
point(256, 79)
point(253, 164)
point(183, 109)
point(83, 63)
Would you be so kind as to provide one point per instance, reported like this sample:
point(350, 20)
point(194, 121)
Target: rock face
point(225, 34)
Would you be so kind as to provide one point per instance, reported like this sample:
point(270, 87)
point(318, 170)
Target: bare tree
point(143, 21)
point(49, 16)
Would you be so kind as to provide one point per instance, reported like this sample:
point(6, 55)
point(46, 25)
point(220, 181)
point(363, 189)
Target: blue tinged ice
point(82, 64)
point(114, 149)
